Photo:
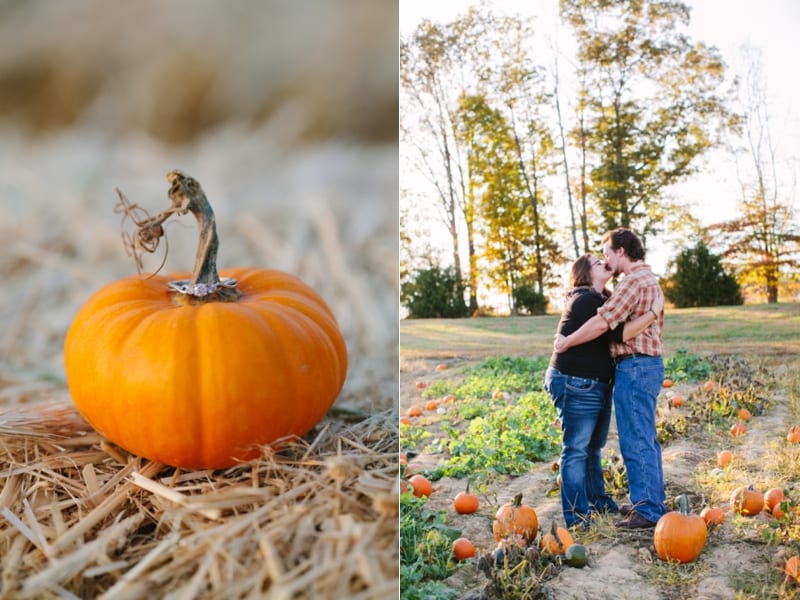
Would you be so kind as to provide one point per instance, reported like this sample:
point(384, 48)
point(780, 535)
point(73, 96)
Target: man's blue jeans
point(584, 408)
point(637, 383)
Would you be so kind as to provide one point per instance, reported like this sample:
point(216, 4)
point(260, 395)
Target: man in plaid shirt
point(638, 374)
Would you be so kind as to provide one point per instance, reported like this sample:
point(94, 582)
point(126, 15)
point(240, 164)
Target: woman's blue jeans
point(637, 383)
point(584, 408)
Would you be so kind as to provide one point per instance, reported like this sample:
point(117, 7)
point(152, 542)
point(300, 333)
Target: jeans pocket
point(579, 384)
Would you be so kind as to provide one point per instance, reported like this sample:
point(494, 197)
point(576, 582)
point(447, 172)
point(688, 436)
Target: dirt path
point(624, 565)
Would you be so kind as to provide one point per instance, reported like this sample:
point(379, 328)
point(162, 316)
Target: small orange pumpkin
point(747, 501)
point(679, 535)
point(421, 485)
point(198, 371)
point(738, 429)
point(744, 414)
point(557, 541)
point(713, 515)
point(667, 383)
point(724, 458)
point(515, 518)
point(792, 569)
point(793, 437)
point(466, 502)
point(676, 401)
point(463, 549)
point(432, 405)
point(772, 498)
point(415, 410)
point(710, 386)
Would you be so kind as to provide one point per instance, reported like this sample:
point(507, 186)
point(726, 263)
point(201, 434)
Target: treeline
point(484, 121)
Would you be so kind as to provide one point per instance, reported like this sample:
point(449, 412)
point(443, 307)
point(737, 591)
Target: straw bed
point(317, 518)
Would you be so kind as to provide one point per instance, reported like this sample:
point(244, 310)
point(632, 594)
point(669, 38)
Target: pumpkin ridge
point(323, 371)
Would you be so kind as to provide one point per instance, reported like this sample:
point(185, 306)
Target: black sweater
point(592, 358)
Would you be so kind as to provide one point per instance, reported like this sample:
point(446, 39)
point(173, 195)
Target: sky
point(770, 26)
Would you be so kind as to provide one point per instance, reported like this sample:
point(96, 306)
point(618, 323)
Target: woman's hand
point(560, 343)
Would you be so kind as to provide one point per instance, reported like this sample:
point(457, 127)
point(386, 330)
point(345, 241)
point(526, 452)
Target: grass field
point(756, 329)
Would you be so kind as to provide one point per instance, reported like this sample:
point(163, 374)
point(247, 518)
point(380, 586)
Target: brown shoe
point(635, 521)
point(625, 509)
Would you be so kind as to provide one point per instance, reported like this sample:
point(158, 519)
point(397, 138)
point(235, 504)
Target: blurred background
point(285, 112)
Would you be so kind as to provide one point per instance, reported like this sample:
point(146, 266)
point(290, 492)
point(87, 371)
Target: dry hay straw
point(81, 518)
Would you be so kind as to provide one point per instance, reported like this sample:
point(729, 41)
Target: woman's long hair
point(580, 274)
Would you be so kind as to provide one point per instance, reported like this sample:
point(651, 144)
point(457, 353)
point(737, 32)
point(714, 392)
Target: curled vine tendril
point(147, 235)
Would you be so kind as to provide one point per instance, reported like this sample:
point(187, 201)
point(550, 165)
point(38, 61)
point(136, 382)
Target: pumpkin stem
point(683, 504)
point(205, 284)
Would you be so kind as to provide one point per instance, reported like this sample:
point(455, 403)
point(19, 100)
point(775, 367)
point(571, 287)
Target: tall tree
point(507, 228)
point(478, 55)
point(764, 240)
point(521, 92)
point(426, 66)
point(653, 108)
point(439, 64)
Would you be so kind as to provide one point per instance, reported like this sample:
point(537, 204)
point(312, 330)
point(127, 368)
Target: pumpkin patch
point(504, 558)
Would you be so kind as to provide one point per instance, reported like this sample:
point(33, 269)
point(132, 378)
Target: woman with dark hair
point(580, 383)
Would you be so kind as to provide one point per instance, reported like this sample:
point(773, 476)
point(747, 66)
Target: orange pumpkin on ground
point(772, 498)
point(676, 401)
point(738, 429)
point(793, 437)
point(667, 383)
point(792, 569)
point(197, 370)
point(515, 518)
point(679, 535)
point(724, 458)
point(421, 485)
point(466, 502)
point(747, 501)
point(710, 386)
point(463, 549)
point(744, 414)
point(713, 515)
point(557, 541)
point(414, 410)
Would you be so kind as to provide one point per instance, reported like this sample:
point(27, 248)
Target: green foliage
point(700, 280)
point(425, 550)
point(504, 373)
point(434, 293)
point(507, 440)
point(683, 366)
point(527, 300)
